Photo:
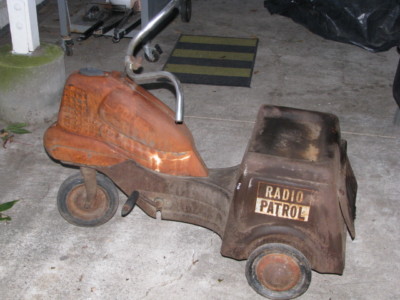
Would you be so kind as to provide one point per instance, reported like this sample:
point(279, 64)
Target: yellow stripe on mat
point(213, 54)
point(218, 40)
point(203, 70)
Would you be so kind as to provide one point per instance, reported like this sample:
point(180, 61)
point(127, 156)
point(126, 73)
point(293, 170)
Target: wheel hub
point(79, 207)
point(278, 272)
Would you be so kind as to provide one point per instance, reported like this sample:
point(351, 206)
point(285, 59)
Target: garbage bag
point(371, 24)
point(396, 86)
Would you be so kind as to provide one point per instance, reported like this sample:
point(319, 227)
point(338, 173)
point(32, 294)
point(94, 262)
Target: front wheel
point(153, 54)
point(185, 8)
point(73, 206)
point(278, 271)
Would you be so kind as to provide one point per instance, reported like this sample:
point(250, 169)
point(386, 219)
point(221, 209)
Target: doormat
point(213, 60)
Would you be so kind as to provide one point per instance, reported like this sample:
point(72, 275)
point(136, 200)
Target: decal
point(283, 201)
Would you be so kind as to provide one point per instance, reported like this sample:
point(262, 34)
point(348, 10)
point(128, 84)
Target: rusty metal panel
point(105, 119)
point(292, 174)
point(203, 201)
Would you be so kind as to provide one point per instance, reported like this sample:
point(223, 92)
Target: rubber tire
point(155, 58)
point(276, 248)
point(396, 119)
point(69, 50)
point(185, 10)
point(155, 52)
point(106, 186)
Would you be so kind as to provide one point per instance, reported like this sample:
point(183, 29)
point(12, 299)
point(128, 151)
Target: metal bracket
point(89, 177)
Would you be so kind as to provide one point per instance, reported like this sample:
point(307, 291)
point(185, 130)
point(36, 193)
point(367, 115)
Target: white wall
point(4, 13)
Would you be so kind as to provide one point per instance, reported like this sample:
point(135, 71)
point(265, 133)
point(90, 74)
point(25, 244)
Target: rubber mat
point(213, 60)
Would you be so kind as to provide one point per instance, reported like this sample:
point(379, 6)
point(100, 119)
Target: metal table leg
point(66, 40)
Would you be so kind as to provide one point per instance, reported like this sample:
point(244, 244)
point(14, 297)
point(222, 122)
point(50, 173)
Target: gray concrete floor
point(44, 257)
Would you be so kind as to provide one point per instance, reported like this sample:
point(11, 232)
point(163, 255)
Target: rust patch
point(278, 272)
point(79, 207)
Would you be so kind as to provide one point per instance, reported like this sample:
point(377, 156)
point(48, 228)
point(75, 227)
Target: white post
point(23, 25)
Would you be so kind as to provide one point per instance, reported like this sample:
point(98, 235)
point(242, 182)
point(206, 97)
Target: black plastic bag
point(396, 84)
point(371, 24)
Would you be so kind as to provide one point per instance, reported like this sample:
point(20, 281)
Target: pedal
point(129, 204)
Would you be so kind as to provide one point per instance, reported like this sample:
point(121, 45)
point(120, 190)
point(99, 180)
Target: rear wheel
point(153, 54)
point(73, 207)
point(185, 9)
point(278, 271)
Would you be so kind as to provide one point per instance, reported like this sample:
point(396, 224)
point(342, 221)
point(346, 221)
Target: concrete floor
point(44, 257)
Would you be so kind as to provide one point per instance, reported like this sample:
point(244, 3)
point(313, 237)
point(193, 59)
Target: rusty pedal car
point(286, 208)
